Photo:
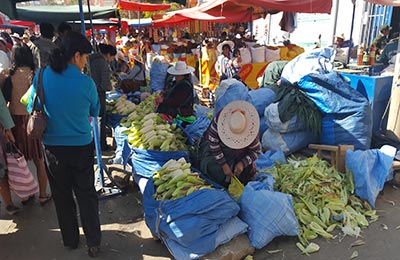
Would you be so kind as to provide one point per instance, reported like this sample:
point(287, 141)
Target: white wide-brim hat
point(230, 43)
point(180, 68)
point(238, 124)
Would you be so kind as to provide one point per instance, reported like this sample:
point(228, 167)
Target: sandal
point(44, 199)
point(28, 200)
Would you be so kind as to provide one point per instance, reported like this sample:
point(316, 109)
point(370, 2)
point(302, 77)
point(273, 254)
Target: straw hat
point(231, 45)
point(180, 68)
point(16, 35)
point(238, 124)
point(340, 36)
point(120, 55)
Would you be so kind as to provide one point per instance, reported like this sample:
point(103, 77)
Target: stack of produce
point(120, 106)
point(153, 133)
point(176, 180)
point(323, 200)
point(145, 107)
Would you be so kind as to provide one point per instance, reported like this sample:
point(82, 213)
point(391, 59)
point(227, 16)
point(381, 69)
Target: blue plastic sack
point(113, 120)
point(236, 90)
point(287, 142)
point(158, 74)
point(228, 230)
point(200, 110)
point(347, 115)
point(370, 169)
point(191, 221)
point(263, 126)
point(273, 121)
point(261, 98)
point(269, 214)
point(145, 162)
point(267, 159)
point(195, 131)
point(316, 61)
point(263, 181)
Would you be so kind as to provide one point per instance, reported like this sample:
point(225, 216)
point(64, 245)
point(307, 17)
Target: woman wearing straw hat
point(231, 144)
point(178, 97)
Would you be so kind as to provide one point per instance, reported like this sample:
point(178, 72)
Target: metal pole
point(351, 32)
point(82, 16)
point(335, 21)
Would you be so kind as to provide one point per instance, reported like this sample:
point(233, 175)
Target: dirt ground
point(34, 234)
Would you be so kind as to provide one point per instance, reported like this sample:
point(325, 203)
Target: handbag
point(20, 178)
point(37, 119)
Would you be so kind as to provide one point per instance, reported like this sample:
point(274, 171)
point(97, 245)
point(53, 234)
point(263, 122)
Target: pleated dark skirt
point(32, 149)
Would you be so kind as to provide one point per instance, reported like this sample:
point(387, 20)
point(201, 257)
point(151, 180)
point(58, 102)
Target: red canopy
point(298, 6)
point(385, 2)
point(23, 23)
point(142, 7)
point(185, 17)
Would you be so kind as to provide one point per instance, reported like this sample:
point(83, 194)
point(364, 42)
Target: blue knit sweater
point(70, 100)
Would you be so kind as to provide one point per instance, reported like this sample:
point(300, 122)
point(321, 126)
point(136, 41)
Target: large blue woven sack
point(119, 138)
point(347, 115)
point(370, 169)
point(268, 159)
point(269, 214)
point(191, 221)
point(224, 234)
point(158, 74)
point(145, 162)
point(287, 142)
point(236, 90)
point(261, 98)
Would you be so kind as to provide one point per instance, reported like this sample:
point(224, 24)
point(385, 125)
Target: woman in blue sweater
point(70, 100)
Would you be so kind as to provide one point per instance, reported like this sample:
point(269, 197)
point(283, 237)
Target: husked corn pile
point(175, 180)
point(144, 108)
point(323, 200)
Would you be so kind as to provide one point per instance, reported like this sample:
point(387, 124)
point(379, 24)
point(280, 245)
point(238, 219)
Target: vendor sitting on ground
point(231, 144)
point(178, 96)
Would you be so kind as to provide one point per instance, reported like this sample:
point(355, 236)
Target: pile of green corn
point(323, 200)
point(176, 180)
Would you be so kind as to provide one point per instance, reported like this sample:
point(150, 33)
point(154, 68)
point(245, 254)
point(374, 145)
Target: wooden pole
point(394, 111)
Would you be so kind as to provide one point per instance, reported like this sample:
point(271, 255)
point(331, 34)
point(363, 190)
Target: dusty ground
point(34, 234)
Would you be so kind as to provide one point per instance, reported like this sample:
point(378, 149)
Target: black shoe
point(12, 210)
point(93, 251)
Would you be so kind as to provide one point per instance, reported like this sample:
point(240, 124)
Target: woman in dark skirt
point(21, 74)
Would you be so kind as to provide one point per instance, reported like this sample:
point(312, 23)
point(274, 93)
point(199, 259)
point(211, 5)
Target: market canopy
point(142, 7)
point(299, 6)
point(385, 2)
point(56, 14)
point(185, 17)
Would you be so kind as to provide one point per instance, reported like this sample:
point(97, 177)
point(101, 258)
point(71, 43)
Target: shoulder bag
point(37, 120)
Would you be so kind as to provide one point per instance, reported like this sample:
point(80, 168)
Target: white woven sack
point(246, 55)
point(272, 55)
point(258, 54)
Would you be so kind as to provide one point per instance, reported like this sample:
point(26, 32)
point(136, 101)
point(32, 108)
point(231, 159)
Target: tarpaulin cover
point(142, 7)
point(54, 14)
point(191, 221)
point(370, 169)
point(228, 91)
point(347, 115)
point(186, 17)
point(269, 214)
point(145, 162)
